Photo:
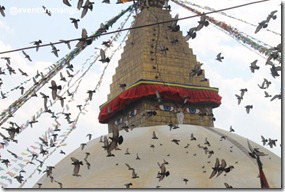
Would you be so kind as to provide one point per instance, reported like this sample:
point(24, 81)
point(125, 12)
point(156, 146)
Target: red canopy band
point(172, 92)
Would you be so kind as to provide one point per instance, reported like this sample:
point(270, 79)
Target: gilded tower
point(152, 84)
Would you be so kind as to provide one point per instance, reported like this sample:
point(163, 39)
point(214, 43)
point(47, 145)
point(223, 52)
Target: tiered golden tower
point(152, 85)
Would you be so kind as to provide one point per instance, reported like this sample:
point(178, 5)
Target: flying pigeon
point(154, 135)
point(75, 22)
point(191, 34)
point(26, 55)
point(272, 142)
point(37, 44)
point(163, 173)
point(266, 94)
point(253, 66)
point(192, 137)
point(76, 164)
point(115, 140)
point(277, 96)
point(248, 107)
point(8, 59)
point(231, 129)
point(262, 24)
point(90, 94)
point(54, 87)
point(84, 39)
point(103, 57)
point(87, 5)
point(54, 50)
point(66, 42)
point(239, 98)
point(263, 140)
point(46, 11)
point(163, 49)
point(22, 72)
point(174, 27)
point(202, 22)
point(271, 16)
point(196, 71)
point(242, 92)
point(219, 57)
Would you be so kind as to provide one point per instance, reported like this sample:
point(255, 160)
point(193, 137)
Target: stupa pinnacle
point(152, 84)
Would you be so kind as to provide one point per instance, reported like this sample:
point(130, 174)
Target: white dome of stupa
point(188, 162)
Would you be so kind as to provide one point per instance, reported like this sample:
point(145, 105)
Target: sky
point(25, 22)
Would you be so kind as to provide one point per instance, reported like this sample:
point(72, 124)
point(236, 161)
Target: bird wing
point(24, 53)
point(162, 48)
point(266, 93)
point(134, 173)
point(128, 166)
point(175, 20)
point(263, 139)
point(249, 146)
point(202, 18)
point(61, 76)
point(66, 2)
point(162, 168)
point(223, 164)
point(69, 75)
point(20, 71)
point(258, 27)
point(62, 102)
point(112, 146)
point(84, 33)
point(219, 55)
point(102, 54)
point(85, 8)
point(79, 4)
point(2, 12)
point(76, 169)
point(52, 46)
point(74, 159)
point(217, 164)
point(213, 173)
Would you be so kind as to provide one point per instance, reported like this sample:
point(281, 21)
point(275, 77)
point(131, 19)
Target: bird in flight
point(76, 164)
point(75, 22)
point(54, 87)
point(27, 56)
point(173, 26)
point(219, 57)
point(37, 44)
point(103, 58)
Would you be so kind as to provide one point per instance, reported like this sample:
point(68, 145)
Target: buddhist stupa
point(165, 118)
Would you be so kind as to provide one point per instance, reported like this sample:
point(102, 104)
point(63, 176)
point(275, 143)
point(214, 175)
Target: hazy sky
point(19, 28)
